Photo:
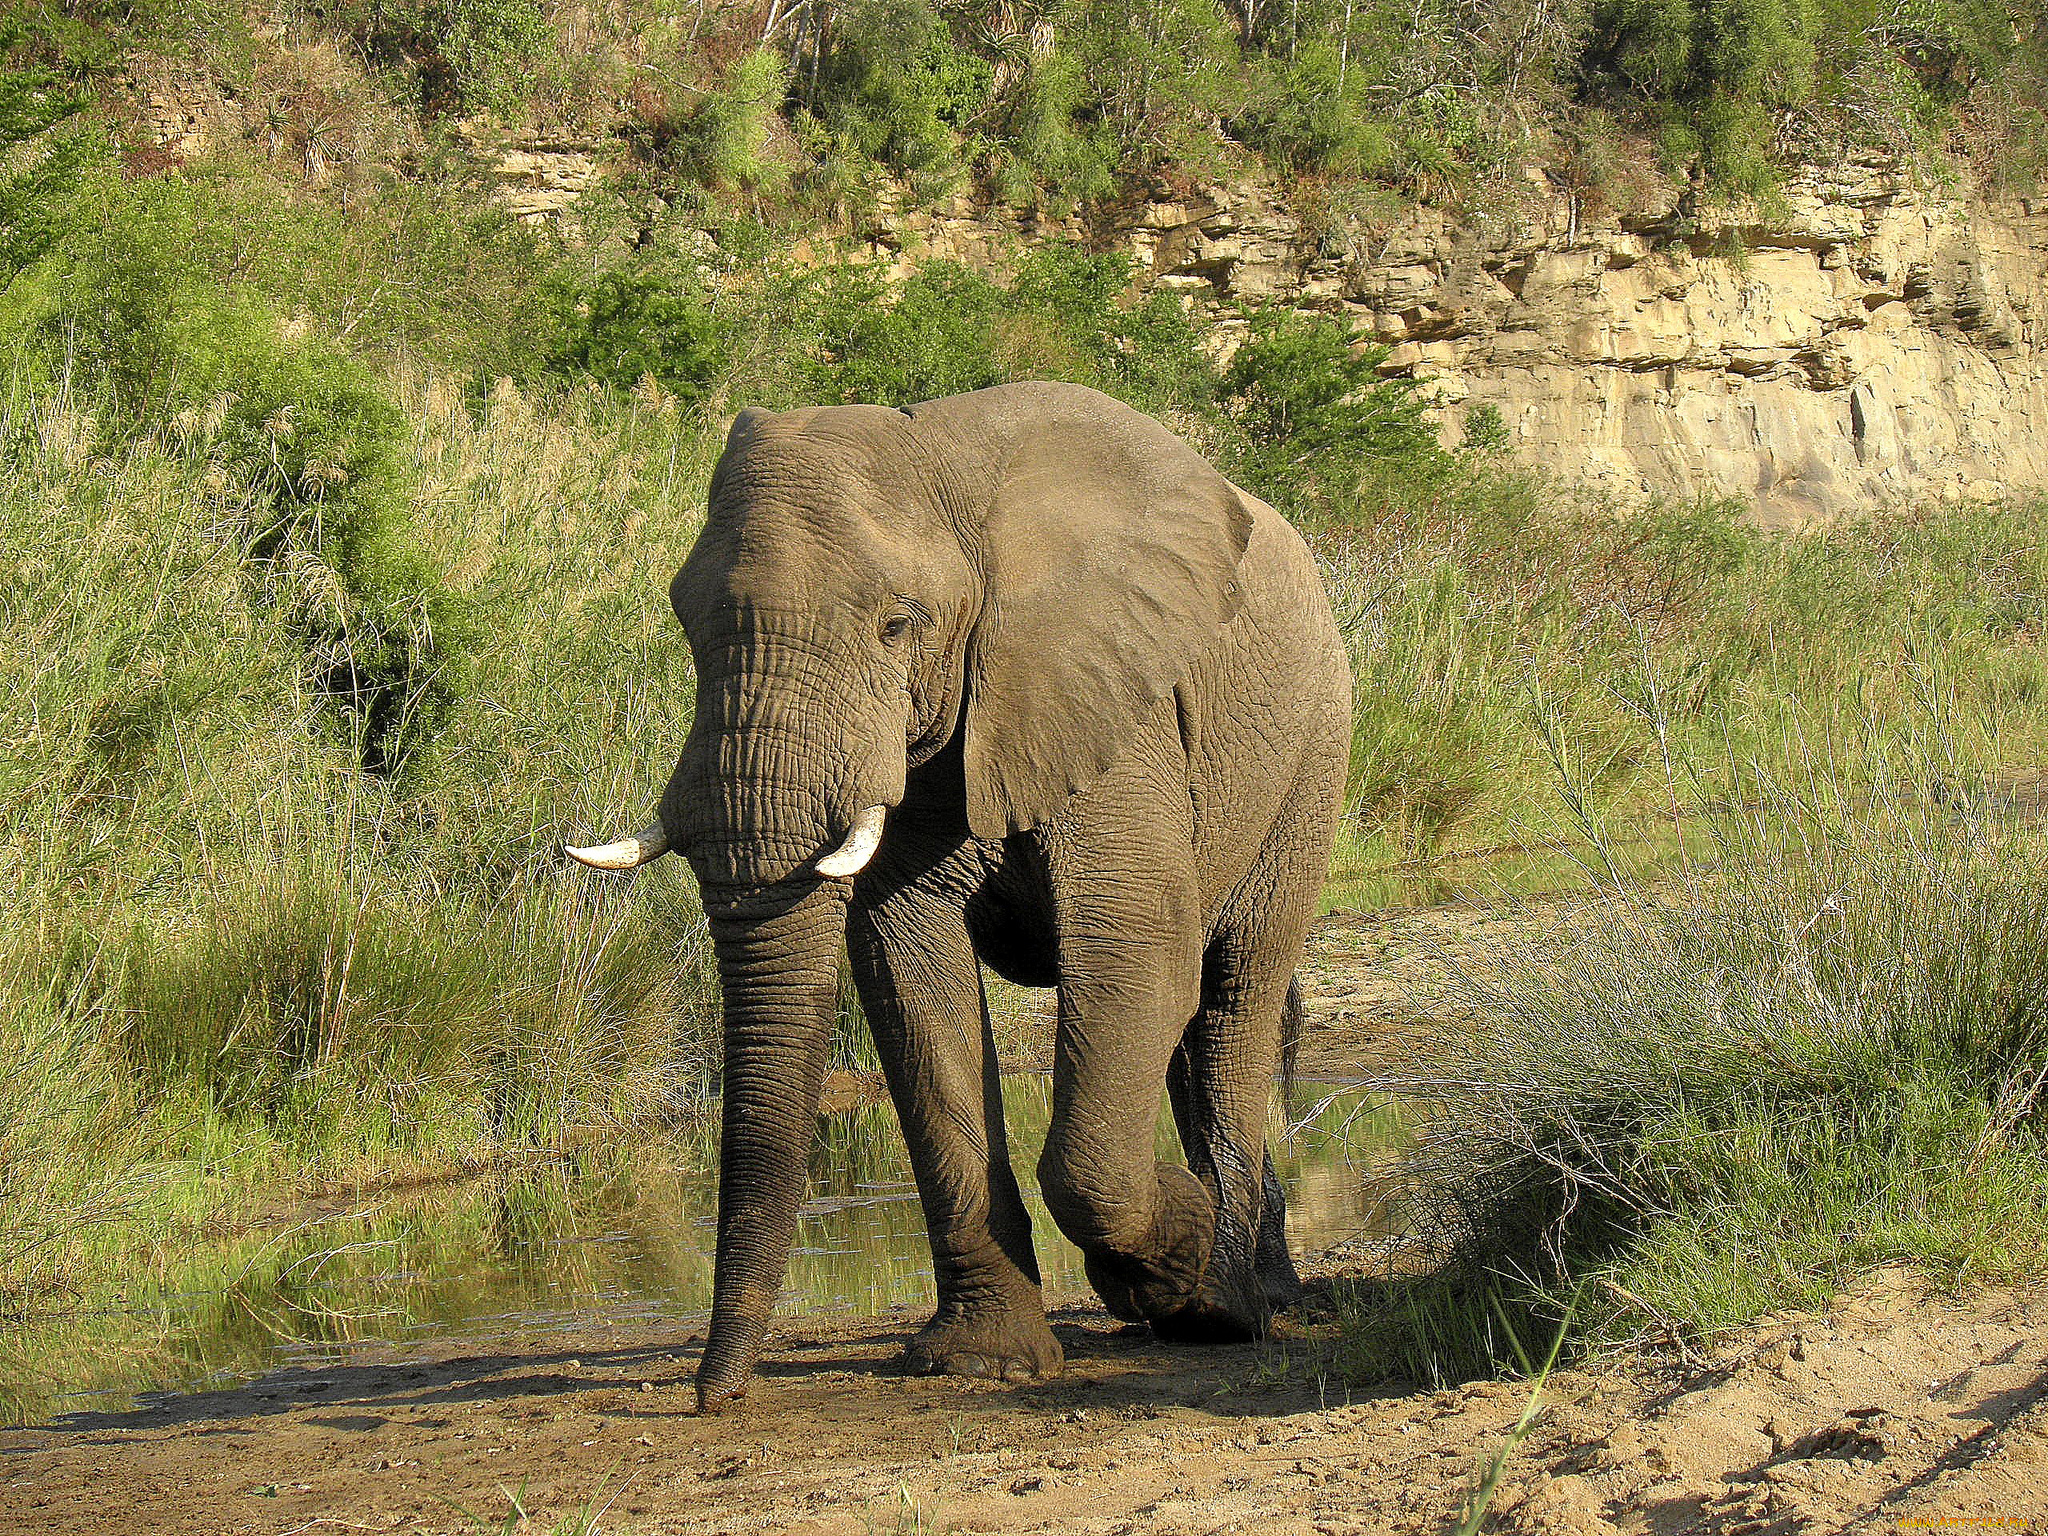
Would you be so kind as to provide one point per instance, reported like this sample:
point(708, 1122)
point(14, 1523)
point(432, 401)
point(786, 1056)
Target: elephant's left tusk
point(851, 856)
point(643, 847)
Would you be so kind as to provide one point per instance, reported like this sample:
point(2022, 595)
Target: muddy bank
point(1893, 1411)
point(601, 1230)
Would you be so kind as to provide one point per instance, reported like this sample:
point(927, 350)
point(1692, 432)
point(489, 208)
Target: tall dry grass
point(1494, 619)
point(1820, 1049)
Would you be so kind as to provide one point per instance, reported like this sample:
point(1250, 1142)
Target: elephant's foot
point(1011, 1345)
point(1218, 1314)
point(1212, 1313)
point(1282, 1288)
point(1169, 1276)
point(1274, 1276)
point(1196, 1286)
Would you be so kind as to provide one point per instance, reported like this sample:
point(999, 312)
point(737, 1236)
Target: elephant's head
point(1028, 569)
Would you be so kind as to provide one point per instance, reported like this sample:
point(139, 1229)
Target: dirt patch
point(1892, 1411)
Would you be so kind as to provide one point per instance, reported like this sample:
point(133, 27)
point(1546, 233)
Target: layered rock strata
point(1866, 340)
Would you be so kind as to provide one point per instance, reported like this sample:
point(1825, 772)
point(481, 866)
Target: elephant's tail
point(1293, 1025)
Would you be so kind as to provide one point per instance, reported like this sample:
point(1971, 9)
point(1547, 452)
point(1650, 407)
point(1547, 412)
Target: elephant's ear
point(1110, 552)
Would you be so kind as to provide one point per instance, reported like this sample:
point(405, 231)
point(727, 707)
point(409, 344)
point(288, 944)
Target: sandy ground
point(1893, 1411)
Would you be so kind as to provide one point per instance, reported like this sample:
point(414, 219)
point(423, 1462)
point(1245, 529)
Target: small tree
point(1317, 417)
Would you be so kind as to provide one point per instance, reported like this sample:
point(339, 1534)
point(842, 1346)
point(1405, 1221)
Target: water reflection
point(613, 1236)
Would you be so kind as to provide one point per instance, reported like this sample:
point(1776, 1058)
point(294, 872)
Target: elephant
point(1012, 678)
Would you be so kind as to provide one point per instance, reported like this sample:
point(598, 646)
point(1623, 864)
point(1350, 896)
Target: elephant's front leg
point(1130, 958)
point(920, 986)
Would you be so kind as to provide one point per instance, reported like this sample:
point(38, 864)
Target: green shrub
point(1316, 416)
point(300, 453)
point(646, 320)
point(462, 53)
point(1046, 147)
point(716, 137)
point(934, 336)
point(1146, 349)
point(45, 154)
point(1486, 432)
point(847, 335)
point(892, 84)
point(1160, 73)
point(1720, 77)
point(1299, 116)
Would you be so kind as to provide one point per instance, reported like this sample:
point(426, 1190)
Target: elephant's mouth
point(651, 842)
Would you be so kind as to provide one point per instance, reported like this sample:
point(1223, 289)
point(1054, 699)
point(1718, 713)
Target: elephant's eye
point(896, 626)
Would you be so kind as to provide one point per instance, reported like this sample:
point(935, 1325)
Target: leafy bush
point(641, 321)
point(1720, 78)
point(893, 85)
point(1160, 73)
point(1317, 417)
point(1300, 117)
point(461, 52)
point(715, 138)
point(42, 170)
point(1146, 349)
point(1486, 432)
point(301, 456)
point(935, 336)
point(1065, 315)
point(1046, 147)
point(845, 334)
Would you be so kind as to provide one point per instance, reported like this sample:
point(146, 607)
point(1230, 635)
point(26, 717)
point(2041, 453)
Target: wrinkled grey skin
point(1101, 692)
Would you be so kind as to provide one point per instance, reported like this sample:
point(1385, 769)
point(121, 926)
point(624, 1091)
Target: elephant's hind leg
point(920, 986)
point(1272, 1262)
point(1222, 1082)
point(1272, 1258)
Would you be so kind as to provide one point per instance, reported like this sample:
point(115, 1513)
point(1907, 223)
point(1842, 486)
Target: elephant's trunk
point(778, 961)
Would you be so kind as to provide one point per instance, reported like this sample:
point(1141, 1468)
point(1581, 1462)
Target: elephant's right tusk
point(851, 856)
point(643, 847)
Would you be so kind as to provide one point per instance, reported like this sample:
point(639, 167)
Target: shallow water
point(612, 1237)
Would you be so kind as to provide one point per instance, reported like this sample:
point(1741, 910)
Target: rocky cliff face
point(1868, 339)
point(1872, 341)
